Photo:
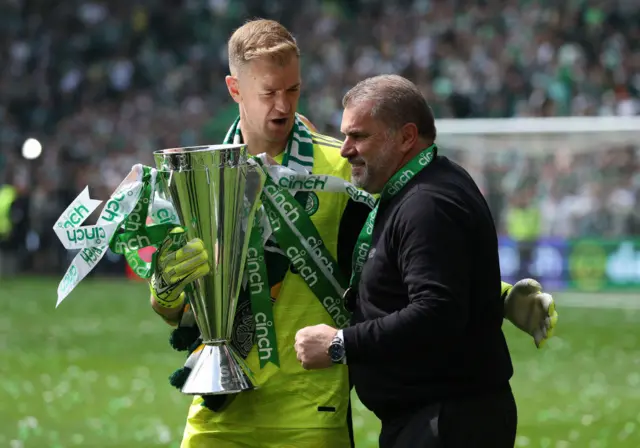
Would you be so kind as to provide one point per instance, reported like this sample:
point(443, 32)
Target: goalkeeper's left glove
point(178, 263)
point(531, 310)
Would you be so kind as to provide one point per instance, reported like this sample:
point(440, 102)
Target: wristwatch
point(337, 352)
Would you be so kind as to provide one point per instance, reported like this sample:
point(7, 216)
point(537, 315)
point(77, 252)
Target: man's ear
point(409, 134)
point(232, 86)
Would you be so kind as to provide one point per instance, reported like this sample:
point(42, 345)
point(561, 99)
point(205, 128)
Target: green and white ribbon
point(258, 283)
point(301, 244)
point(284, 220)
point(397, 182)
point(298, 155)
point(127, 208)
point(289, 179)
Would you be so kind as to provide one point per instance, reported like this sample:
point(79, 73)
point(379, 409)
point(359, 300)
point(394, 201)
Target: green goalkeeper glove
point(530, 309)
point(178, 263)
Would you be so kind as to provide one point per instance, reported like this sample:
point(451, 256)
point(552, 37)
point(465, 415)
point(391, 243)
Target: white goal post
point(538, 134)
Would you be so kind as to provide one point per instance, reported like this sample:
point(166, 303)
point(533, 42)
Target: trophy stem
point(218, 370)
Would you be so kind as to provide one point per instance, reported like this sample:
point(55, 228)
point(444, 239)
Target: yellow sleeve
point(307, 122)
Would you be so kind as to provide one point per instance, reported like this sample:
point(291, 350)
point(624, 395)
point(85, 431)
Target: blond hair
point(259, 38)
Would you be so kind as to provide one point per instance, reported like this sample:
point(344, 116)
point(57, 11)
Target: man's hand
point(531, 310)
point(312, 346)
point(178, 263)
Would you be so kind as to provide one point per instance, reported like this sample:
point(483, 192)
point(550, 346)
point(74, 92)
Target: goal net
point(564, 192)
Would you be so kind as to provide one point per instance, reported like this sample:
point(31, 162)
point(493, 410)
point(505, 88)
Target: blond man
point(291, 408)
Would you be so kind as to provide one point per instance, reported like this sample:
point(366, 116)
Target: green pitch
point(93, 373)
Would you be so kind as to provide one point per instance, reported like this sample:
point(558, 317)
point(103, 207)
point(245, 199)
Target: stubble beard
point(373, 171)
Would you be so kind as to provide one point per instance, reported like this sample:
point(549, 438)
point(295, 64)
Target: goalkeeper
point(292, 407)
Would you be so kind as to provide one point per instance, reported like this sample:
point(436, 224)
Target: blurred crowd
point(104, 83)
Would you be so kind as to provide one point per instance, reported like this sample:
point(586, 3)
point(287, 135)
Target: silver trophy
point(215, 193)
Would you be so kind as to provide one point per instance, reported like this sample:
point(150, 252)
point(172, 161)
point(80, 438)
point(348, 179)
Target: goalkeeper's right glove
point(178, 263)
point(530, 309)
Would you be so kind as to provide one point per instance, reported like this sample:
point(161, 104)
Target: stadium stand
point(103, 84)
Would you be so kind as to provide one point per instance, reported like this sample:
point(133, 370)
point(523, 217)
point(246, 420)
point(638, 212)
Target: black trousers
point(487, 421)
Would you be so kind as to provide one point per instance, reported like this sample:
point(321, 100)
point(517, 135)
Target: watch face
point(336, 352)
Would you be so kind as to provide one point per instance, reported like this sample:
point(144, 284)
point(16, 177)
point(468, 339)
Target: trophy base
point(218, 371)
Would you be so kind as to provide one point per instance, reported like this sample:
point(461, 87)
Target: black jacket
point(429, 312)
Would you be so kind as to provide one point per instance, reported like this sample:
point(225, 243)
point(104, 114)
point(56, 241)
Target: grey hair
point(396, 101)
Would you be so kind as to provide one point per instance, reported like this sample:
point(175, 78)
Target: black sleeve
point(353, 219)
point(433, 260)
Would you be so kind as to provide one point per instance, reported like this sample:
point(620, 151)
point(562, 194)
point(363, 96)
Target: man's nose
point(347, 148)
point(283, 105)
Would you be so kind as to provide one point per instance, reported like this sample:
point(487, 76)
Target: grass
point(93, 373)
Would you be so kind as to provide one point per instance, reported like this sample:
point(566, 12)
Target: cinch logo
point(134, 220)
point(69, 279)
point(280, 200)
point(262, 330)
point(425, 159)
point(360, 196)
point(300, 264)
point(315, 244)
point(293, 182)
point(140, 270)
point(370, 222)
point(91, 255)
point(165, 216)
point(134, 243)
point(401, 182)
point(335, 309)
point(76, 217)
point(362, 253)
point(95, 234)
point(274, 220)
point(256, 283)
point(110, 212)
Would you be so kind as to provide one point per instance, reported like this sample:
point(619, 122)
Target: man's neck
point(256, 145)
point(409, 156)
